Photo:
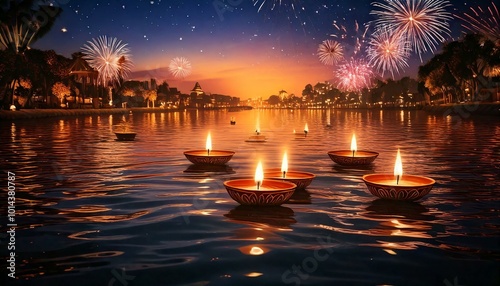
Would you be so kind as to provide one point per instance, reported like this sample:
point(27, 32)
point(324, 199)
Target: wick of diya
point(354, 145)
point(284, 165)
point(259, 175)
point(208, 145)
point(398, 167)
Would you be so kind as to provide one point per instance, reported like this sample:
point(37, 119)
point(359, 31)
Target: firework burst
point(482, 22)
point(273, 4)
point(110, 57)
point(351, 36)
point(354, 75)
point(180, 67)
point(388, 51)
point(422, 22)
point(330, 52)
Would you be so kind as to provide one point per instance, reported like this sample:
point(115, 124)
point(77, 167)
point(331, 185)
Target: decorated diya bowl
point(301, 179)
point(409, 187)
point(345, 157)
point(125, 136)
point(270, 192)
point(214, 157)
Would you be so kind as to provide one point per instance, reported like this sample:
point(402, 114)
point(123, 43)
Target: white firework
point(330, 52)
point(110, 57)
point(388, 51)
point(180, 67)
point(423, 22)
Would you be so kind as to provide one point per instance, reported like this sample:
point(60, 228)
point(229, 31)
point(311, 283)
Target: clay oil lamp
point(353, 157)
point(302, 135)
point(398, 186)
point(257, 137)
point(301, 179)
point(209, 156)
point(259, 191)
point(125, 135)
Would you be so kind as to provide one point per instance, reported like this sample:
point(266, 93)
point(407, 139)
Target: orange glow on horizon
point(246, 75)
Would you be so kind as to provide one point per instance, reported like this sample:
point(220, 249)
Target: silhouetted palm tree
point(21, 24)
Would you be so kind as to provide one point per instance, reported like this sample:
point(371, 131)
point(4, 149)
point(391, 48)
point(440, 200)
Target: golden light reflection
point(253, 250)
point(13, 132)
point(254, 274)
point(390, 251)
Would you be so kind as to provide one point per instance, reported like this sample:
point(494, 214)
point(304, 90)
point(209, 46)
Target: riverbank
point(44, 113)
point(464, 110)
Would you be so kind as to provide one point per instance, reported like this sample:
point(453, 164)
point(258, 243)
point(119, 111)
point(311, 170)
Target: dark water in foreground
point(94, 211)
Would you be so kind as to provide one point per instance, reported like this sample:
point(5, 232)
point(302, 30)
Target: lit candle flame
point(284, 165)
point(398, 167)
point(209, 144)
point(259, 175)
point(354, 146)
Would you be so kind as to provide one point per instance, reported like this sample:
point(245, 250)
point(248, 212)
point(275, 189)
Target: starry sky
point(243, 48)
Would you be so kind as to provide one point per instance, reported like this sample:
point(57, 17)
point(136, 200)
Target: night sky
point(235, 47)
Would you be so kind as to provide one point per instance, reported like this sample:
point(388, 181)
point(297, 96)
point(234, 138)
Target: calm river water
point(91, 210)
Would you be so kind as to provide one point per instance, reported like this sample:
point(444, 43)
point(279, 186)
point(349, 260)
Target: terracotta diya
point(209, 156)
point(259, 191)
point(257, 137)
point(353, 157)
point(398, 186)
point(301, 179)
point(125, 136)
point(300, 135)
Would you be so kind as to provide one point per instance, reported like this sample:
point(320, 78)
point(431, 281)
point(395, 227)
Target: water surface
point(91, 210)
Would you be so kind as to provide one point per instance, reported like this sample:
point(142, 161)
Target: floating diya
point(125, 136)
point(259, 191)
point(257, 137)
point(300, 135)
point(301, 179)
point(398, 186)
point(209, 156)
point(353, 157)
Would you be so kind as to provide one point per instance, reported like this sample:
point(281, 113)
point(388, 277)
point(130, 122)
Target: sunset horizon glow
point(241, 50)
